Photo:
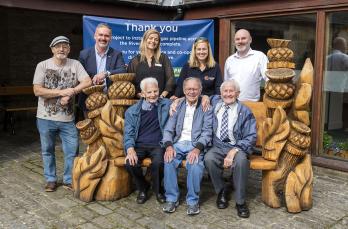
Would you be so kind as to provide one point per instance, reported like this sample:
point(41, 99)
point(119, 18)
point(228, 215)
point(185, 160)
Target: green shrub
point(327, 140)
point(343, 145)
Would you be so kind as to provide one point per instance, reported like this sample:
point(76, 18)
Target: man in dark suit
point(101, 61)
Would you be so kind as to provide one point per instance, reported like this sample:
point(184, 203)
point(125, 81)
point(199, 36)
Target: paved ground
point(24, 204)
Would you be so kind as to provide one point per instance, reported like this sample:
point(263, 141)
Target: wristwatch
point(107, 74)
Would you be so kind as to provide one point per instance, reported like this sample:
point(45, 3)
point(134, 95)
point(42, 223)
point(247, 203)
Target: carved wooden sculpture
point(286, 139)
point(298, 187)
point(283, 132)
point(280, 56)
point(96, 174)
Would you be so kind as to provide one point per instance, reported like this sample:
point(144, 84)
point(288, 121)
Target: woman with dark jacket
point(202, 65)
point(152, 63)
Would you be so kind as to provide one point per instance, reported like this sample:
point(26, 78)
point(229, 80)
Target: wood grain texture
point(103, 133)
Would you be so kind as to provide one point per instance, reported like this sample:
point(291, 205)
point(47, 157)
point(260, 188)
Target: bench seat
point(257, 162)
point(10, 109)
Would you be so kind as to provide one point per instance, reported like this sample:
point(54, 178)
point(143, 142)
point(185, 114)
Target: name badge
point(209, 78)
point(158, 65)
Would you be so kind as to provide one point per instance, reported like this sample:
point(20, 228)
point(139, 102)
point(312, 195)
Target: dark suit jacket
point(114, 64)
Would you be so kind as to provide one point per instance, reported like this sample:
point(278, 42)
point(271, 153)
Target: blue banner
point(177, 37)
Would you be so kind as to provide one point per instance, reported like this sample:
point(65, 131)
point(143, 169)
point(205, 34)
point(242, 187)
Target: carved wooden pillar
point(95, 174)
point(286, 139)
point(279, 90)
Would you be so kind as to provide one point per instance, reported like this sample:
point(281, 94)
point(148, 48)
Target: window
point(335, 88)
point(298, 28)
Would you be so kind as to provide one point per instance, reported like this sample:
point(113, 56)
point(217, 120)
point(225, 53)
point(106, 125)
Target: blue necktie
point(224, 125)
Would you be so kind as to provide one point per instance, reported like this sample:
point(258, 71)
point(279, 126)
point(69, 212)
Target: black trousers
point(156, 154)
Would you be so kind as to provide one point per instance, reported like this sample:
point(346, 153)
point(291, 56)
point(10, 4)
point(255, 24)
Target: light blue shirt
point(101, 60)
point(146, 106)
point(101, 64)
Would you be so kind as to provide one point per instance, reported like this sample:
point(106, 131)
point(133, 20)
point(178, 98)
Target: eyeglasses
point(201, 39)
point(191, 89)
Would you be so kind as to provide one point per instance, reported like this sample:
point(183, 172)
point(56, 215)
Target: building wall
point(28, 35)
point(4, 72)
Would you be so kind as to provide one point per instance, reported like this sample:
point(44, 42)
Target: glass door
point(335, 88)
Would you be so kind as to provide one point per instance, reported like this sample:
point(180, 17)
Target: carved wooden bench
point(283, 133)
point(257, 162)
point(10, 108)
point(282, 170)
point(275, 169)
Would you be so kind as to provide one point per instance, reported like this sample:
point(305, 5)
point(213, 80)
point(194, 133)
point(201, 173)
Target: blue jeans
point(194, 174)
point(69, 136)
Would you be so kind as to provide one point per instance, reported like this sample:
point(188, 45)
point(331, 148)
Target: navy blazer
point(114, 64)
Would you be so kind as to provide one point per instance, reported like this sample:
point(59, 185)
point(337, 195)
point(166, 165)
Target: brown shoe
point(68, 187)
point(51, 187)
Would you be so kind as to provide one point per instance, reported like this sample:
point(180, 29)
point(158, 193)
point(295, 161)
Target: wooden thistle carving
point(275, 131)
point(286, 132)
point(96, 175)
point(88, 171)
point(298, 187)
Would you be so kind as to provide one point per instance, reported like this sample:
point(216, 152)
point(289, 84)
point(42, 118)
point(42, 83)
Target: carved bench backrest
point(259, 111)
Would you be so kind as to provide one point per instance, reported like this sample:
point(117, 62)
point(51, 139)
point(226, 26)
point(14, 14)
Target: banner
point(177, 37)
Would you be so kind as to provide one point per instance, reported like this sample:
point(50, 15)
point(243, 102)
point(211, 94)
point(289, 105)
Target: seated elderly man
point(234, 135)
point(144, 124)
point(186, 135)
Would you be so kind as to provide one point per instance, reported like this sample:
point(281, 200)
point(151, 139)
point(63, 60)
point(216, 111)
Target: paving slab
point(24, 204)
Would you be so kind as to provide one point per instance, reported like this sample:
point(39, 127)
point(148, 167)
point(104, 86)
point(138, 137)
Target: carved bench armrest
point(258, 162)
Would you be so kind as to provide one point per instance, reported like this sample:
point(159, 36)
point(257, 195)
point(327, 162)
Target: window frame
point(225, 42)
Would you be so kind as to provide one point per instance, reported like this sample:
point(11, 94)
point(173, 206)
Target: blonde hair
point(143, 47)
point(193, 61)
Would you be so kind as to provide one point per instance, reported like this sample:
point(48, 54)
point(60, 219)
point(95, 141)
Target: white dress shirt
point(248, 72)
point(188, 121)
point(232, 118)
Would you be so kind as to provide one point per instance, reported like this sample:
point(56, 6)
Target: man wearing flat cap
point(56, 81)
point(101, 60)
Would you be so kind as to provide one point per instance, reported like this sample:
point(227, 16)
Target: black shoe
point(160, 198)
point(221, 201)
point(243, 210)
point(142, 197)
